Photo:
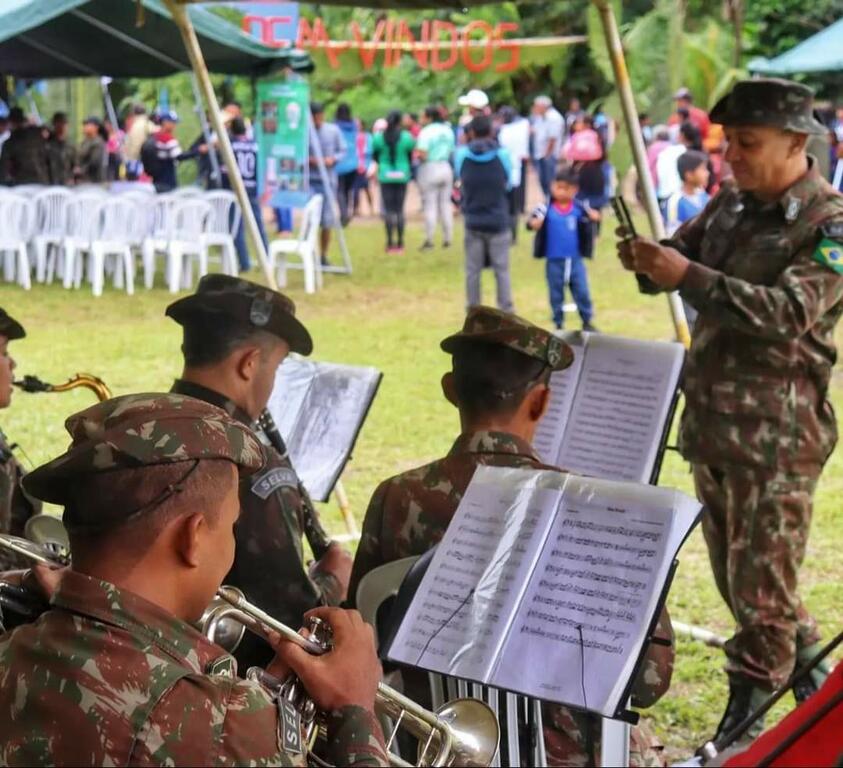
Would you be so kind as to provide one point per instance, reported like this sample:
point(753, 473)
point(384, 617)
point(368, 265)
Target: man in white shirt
point(514, 136)
point(548, 132)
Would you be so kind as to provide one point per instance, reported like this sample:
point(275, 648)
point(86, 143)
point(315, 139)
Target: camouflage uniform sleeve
point(205, 720)
point(355, 738)
point(803, 293)
point(369, 551)
point(654, 676)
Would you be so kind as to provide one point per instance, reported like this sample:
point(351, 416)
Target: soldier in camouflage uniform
point(115, 673)
point(499, 383)
point(23, 158)
point(763, 266)
point(236, 333)
point(16, 507)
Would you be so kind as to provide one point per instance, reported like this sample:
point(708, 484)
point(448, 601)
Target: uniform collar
point(149, 623)
point(182, 387)
point(488, 441)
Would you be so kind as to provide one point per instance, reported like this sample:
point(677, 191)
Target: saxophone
point(96, 385)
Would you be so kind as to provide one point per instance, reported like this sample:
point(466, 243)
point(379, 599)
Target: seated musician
point(16, 507)
point(500, 386)
point(115, 673)
point(236, 334)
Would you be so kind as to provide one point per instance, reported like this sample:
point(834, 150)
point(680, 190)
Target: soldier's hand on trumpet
point(666, 267)
point(346, 675)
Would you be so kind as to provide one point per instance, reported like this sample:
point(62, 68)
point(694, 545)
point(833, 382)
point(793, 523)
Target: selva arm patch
point(273, 479)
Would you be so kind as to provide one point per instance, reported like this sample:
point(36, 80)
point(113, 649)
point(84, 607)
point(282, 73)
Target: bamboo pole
point(197, 61)
point(639, 152)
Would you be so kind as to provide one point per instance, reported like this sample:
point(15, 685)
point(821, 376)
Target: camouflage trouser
point(572, 739)
point(756, 527)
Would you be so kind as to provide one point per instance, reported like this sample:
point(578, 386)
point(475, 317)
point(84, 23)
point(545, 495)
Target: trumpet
point(96, 385)
point(462, 732)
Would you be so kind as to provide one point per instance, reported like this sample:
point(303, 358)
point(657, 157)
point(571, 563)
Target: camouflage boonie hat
point(486, 325)
point(9, 327)
point(140, 431)
point(769, 101)
point(230, 299)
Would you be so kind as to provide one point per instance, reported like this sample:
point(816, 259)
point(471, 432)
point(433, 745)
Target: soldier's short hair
point(209, 342)
point(201, 484)
point(491, 379)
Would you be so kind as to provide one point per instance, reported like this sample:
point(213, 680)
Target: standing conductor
point(763, 266)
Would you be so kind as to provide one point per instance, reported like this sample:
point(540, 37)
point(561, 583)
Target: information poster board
point(282, 135)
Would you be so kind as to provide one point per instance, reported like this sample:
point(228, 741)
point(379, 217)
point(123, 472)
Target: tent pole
point(639, 153)
point(197, 61)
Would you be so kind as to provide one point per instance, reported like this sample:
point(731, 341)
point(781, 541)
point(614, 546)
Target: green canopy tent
point(79, 38)
point(822, 52)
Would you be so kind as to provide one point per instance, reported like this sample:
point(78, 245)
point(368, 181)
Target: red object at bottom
point(810, 735)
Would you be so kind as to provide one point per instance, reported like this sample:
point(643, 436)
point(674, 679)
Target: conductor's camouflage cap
point(9, 327)
point(769, 101)
point(144, 430)
point(485, 325)
point(221, 298)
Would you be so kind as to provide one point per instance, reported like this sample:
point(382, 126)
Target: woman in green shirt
point(392, 152)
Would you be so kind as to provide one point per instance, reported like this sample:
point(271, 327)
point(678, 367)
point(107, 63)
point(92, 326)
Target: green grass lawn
point(392, 313)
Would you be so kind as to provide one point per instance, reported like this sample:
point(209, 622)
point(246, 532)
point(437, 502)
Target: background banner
point(282, 136)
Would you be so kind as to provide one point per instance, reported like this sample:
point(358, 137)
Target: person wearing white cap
point(548, 132)
point(477, 102)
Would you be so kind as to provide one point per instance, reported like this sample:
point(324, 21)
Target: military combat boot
point(808, 685)
point(744, 698)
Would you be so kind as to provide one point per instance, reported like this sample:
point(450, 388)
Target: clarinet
point(316, 535)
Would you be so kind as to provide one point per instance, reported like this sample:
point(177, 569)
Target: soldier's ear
point(449, 390)
point(247, 362)
point(798, 142)
point(538, 400)
point(189, 538)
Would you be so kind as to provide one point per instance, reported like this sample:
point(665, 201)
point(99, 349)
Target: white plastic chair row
point(63, 225)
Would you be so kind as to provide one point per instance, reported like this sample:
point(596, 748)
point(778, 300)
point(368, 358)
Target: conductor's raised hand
point(346, 675)
point(666, 267)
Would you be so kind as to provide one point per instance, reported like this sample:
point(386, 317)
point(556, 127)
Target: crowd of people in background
point(475, 160)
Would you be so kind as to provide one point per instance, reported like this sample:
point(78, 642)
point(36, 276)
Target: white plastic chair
point(17, 225)
point(112, 239)
point(189, 191)
point(51, 217)
point(223, 226)
point(81, 227)
point(190, 223)
point(159, 233)
point(304, 247)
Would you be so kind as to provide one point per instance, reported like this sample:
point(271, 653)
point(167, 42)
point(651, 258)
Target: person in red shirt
point(699, 117)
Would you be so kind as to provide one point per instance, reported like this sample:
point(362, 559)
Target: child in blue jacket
point(564, 237)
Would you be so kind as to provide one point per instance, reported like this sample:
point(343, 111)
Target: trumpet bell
point(218, 624)
point(475, 730)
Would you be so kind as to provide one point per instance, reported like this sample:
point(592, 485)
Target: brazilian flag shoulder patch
point(829, 253)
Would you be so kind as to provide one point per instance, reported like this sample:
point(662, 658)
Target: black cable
point(444, 624)
point(582, 667)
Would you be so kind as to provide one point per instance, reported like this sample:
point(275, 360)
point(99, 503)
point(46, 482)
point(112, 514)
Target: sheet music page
point(319, 409)
point(620, 408)
point(548, 438)
point(594, 592)
point(459, 616)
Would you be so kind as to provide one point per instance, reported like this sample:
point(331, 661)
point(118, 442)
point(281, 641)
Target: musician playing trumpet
point(115, 673)
point(236, 334)
point(16, 507)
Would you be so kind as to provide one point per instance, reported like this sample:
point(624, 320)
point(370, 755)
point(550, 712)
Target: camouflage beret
point(9, 327)
point(231, 299)
point(140, 431)
point(769, 101)
point(492, 326)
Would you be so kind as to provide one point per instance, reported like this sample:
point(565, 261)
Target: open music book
point(610, 410)
point(547, 584)
point(319, 409)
